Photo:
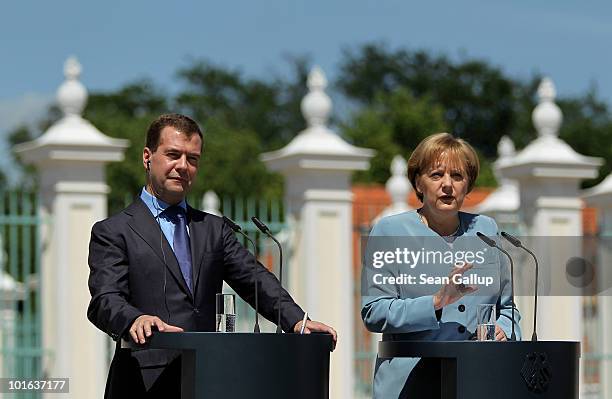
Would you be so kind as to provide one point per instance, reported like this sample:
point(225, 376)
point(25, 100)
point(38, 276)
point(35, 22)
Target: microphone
point(493, 244)
point(264, 229)
point(237, 229)
point(517, 243)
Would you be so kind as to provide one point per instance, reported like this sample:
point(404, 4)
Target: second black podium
point(500, 370)
point(242, 365)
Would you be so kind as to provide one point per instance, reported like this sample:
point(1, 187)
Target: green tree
point(587, 128)
point(479, 102)
point(270, 109)
point(396, 98)
point(19, 135)
point(477, 99)
point(394, 123)
point(3, 180)
point(230, 163)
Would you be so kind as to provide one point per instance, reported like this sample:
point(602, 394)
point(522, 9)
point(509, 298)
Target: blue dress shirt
point(157, 207)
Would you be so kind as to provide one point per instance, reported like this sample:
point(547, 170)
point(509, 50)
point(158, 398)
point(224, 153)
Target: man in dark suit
point(159, 263)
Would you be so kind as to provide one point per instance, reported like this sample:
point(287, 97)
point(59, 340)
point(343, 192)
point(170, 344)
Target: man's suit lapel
point(144, 224)
point(196, 235)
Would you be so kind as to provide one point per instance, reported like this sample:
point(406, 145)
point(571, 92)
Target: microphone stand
point(517, 243)
point(493, 244)
point(237, 229)
point(266, 230)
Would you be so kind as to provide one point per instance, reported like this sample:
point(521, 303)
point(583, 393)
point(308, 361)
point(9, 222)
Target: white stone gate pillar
point(11, 292)
point(317, 165)
point(600, 196)
point(70, 157)
point(549, 173)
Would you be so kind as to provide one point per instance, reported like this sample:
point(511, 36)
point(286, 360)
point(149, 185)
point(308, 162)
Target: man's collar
point(156, 205)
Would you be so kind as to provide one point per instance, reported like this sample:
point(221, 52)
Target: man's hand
point(452, 292)
point(141, 327)
point(500, 335)
point(316, 327)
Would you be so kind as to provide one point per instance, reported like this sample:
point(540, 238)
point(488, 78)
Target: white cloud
point(27, 110)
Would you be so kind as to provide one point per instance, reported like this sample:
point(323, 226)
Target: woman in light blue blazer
point(442, 170)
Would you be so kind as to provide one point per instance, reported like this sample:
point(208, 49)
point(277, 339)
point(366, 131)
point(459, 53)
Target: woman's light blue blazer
point(415, 318)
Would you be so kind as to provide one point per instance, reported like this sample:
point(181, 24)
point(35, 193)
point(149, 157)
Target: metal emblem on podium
point(536, 372)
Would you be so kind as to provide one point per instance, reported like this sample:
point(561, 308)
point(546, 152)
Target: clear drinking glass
point(486, 317)
point(226, 313)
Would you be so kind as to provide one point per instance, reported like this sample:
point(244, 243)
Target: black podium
point(243, 365)
point(500, 370)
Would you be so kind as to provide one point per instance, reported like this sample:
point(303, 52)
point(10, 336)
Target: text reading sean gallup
point(405, 257)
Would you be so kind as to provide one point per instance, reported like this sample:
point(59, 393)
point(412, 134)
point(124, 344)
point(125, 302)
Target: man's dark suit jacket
point(133, 271)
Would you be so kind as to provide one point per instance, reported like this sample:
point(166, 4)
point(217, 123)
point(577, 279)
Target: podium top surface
point(449, 349)
point(193, 340)
point(246, 365)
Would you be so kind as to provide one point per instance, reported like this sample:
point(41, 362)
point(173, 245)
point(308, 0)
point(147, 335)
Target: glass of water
point(486, 317)
point(226, 313)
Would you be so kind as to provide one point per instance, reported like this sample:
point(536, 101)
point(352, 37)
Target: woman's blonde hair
point(456, 151)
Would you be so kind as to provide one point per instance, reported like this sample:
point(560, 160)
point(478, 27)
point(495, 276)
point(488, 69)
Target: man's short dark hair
point(182, 123)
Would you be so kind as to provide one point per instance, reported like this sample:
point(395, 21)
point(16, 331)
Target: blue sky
point(118, 42)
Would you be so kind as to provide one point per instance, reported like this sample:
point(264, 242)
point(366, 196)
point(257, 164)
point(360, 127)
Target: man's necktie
point(182, 248)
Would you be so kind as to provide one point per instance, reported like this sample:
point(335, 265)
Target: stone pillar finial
point(505, 154)
point(72, 95)
point(211, 203)
point(505, 148)
point(547, 116)
point(316, 105)
point(398, 185)
point(547, 90)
